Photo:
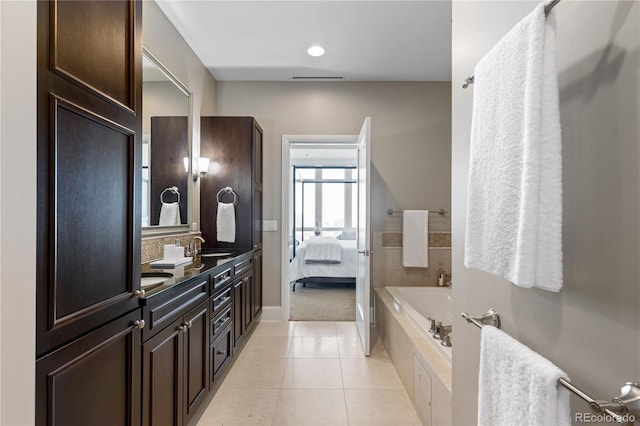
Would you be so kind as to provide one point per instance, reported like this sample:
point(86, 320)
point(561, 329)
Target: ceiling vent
point(318, 78)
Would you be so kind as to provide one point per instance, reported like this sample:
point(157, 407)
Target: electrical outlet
point(269, 225)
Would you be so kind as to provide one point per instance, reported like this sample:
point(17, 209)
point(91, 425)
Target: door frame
point(286, 218)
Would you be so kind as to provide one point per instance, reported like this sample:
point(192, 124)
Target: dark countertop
point(200, 265)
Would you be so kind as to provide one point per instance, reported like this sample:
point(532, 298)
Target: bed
point(316, 262)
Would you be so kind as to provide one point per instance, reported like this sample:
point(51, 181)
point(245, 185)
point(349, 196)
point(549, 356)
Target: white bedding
point(345, 269)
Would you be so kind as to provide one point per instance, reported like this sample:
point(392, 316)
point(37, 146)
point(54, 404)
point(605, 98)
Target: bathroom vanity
point(194, 326)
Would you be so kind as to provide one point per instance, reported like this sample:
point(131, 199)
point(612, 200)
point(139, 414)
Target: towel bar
point(547, 9)
point(623, 409)
point(441, 212)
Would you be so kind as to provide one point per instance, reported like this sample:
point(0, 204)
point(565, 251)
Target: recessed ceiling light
point(315, 51)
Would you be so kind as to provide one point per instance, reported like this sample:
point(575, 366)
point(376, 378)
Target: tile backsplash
point(387, 260)
point(153, 247)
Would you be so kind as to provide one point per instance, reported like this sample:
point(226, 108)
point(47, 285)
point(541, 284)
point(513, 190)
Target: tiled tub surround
point(387, 263)
point(424, 369)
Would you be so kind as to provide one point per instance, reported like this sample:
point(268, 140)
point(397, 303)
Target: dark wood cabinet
point(163, 372)
point(235, 143)
point(247, 299)
point(170, 136)
point(94, 379)
point(238, 310)
point(176, 369)
point(89, 119)
point(89, 157)
point(257, 283)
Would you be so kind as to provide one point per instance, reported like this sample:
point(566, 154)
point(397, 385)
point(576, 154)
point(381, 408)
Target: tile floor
point(310, 373)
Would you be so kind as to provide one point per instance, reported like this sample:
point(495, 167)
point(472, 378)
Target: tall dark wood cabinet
point(236, 144)
point(88, 223)
point(169, 145)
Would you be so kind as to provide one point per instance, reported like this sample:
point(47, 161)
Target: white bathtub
point(420, 303)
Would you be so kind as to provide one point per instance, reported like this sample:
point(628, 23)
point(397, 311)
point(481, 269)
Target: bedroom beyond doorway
point(322, 210)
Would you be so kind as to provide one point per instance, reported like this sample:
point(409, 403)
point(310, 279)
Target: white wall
point(591, 328)
point(17, 212)
point(410, 143)
point(168, 46)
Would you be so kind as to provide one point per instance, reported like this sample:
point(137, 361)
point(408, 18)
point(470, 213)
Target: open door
point(363, 278)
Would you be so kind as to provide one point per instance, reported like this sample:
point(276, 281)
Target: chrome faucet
point(192, 250)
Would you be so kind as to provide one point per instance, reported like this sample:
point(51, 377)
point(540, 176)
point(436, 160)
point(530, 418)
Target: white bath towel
point(226, 223)
point(514, 204)
point(323, 250)
point(169, 214)
point(517, 386)
point(415, 238)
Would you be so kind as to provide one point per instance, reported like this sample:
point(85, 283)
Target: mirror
point(166, 146)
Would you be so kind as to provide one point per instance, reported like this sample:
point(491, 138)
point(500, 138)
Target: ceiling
point(364, 40)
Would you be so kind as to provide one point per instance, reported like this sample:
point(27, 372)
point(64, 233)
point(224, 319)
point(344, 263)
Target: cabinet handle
point(189, 324)
point(219, 352)
point(182, 328)
point(139, 293)
point(139, 324)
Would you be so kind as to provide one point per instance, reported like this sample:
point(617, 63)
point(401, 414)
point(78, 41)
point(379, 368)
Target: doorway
point(319, 206)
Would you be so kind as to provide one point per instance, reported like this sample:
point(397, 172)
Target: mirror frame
point(152, 231)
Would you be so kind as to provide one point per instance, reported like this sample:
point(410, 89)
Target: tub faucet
point(432, 329)
point(446, 339)
point(192, 250)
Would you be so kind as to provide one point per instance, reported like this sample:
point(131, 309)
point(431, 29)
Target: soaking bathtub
point(421, 303)
point(423, 364)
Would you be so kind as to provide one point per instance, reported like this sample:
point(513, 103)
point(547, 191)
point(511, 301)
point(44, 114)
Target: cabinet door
point(89, 166)
point(238, 309)
point(95, 380)
point(257, 186)
point(257, 283)
point(162, 390)
point(247, 302)
point(196, 358)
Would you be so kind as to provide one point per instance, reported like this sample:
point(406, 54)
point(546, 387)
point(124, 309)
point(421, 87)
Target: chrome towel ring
point(227, 190)
point(171, 189)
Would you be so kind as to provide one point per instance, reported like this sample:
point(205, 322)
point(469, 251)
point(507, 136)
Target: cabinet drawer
point(242, 266)
point(219, 302)
point(220, 353)
point(220, 322)
point(163, 311)
point(219, 280)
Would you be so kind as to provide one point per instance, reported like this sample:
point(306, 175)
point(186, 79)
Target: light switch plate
point(269, 225)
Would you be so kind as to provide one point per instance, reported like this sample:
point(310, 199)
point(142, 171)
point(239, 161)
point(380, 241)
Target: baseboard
point(272, 313)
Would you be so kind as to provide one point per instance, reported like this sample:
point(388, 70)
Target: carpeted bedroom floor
point(323, 302)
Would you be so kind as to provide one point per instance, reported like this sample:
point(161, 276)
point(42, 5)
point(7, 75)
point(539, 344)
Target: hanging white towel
point(415, 238)
point(514, 204)
point(226, 223)
point(169, 214)
point(517, 386)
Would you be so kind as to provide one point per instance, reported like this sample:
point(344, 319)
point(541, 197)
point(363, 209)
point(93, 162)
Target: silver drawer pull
point(139, 293)
point(139, 324)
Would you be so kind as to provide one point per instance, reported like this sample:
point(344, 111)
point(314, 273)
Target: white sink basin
point(215, 254)
point(149, 279)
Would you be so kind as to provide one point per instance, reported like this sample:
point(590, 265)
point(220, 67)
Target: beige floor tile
point(350, 347)
point(312, 374)
point(388, 407)
point(241, 407)
point(310, 407)
point(256, 373)
point(315, 328)
point(346, 329)
point(268, 346)
point(314, 347)
point(369, 373)
point(275, 328)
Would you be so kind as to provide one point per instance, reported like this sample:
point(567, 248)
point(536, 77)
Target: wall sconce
point(201, 169)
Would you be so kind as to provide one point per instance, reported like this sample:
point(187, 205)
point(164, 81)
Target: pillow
point(347, 234)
